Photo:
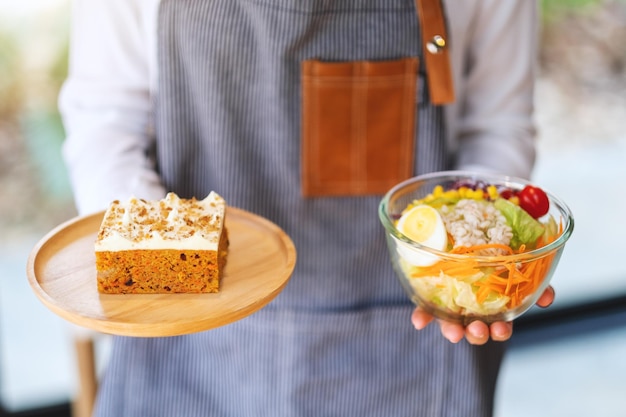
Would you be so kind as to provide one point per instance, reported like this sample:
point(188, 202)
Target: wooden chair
point(84, 348)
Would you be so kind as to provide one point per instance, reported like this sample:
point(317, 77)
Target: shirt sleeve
point(106, 103)
point(494, 50)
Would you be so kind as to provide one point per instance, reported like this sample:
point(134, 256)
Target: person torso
point(337, 340)
point(229, 119)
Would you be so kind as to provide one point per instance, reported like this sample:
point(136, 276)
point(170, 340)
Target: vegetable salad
point(483, 220)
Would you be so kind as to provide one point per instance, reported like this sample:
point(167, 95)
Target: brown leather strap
point(436, 51)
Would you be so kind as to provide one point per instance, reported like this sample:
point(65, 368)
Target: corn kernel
point(477, 194)
point(451, 194)
point(514, 200)
point(492, 191)
point(438, 191)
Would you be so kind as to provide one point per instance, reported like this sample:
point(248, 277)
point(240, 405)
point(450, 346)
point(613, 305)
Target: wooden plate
point(61, 270)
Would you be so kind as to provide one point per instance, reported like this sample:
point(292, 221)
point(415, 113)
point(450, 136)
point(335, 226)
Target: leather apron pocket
point(358, 123)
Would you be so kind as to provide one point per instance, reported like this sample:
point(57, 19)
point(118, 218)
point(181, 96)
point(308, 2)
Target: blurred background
point(565, 360)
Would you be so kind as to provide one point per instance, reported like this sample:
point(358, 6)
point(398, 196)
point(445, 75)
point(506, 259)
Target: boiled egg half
point(422, 224)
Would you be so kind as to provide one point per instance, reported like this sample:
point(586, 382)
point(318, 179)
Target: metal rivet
point(436, 44)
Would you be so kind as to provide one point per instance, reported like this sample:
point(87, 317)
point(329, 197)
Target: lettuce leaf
point(458, 296)
point(526, 230)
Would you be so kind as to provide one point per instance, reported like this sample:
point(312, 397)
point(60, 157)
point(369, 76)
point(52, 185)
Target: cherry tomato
point(534, 200)
point(507, 193)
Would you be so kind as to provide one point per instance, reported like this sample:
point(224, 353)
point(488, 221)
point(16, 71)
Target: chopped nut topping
point(171, 218)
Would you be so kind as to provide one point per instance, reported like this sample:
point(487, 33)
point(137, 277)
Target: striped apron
point(338, 340)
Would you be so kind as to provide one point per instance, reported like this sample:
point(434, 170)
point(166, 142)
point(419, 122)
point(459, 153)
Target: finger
point(547, 298)
point(477, 333)
point(454, 332)
point(420, 318)
point(501, 331)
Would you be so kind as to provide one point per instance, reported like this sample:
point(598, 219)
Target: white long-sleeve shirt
point(107, 108)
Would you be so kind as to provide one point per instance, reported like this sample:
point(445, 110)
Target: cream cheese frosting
point(169, 223)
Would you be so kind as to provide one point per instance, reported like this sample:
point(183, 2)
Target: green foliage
point(43, 133)
point(10, 94)
point(554, 9)
point(58, 69)
point(28, 102)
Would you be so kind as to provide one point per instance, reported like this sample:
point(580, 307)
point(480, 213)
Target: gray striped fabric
point(338, 340)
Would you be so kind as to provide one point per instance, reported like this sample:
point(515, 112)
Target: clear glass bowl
point(466, 287)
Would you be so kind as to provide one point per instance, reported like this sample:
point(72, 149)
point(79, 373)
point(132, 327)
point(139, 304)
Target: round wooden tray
point(62, 273)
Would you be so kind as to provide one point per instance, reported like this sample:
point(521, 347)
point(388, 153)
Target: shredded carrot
point(488, 287)
point(448, 268)
point(476, 248)
point(450, 239)
point(515, 280)
point(507, 290)
point(483, 293)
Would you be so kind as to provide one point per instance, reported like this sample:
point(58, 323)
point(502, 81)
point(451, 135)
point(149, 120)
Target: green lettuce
point(526, 230)
point(458, 296)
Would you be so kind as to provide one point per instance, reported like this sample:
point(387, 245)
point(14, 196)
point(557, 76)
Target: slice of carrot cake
point(173, 245)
